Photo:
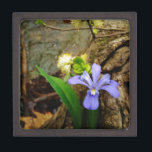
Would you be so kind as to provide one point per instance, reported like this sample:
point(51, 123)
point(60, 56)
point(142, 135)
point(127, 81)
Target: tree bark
point(115, 60)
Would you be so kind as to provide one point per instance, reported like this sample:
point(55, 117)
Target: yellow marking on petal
point(93, 91)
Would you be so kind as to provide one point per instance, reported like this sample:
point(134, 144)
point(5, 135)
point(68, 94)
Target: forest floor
point(41, 107)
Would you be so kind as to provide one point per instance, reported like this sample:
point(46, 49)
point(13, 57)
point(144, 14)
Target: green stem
point(92, 118)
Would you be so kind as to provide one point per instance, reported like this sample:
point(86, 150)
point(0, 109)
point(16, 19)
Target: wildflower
point(64, 62)
point(91, 101)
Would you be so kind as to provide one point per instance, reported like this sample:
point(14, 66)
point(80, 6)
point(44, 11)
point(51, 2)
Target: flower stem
point(92, 118)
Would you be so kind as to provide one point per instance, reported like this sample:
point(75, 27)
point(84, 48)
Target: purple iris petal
point(114, 83)
point(77, 80)
point(96, 69)
point(112, 90)
point(91, 102)
point(86, 77)
point(104, 80)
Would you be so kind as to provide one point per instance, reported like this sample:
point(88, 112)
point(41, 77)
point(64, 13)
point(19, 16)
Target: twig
point(83, 28)
point(38, 94)
point(23, 65)
point(62, 29)
point(113, 34)
point(93, 36)
point(47, 96)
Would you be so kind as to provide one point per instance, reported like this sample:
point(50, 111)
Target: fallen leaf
point(35, 123)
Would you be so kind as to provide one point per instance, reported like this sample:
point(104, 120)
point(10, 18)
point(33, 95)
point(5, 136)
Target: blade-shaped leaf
point(67, 95)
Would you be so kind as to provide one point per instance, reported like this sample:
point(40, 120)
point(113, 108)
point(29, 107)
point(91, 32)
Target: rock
point(43, 45)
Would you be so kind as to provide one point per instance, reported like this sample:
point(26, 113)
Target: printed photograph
point(74, 74)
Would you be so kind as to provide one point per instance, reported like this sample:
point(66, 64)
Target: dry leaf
point(35, 123)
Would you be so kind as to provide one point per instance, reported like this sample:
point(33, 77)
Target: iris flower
point(91, 101)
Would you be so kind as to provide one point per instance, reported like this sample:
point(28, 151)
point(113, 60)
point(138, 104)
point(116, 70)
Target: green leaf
point(79, 66)
point(92, 118)
point(88, 68)
point(91, 22)
point(78, 60)
point(77, 69)
point(67, 95)
point(39, 22)
point(98, 23)
point(95, 31)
